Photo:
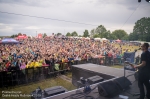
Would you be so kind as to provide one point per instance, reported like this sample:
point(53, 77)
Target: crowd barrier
point(28, 75)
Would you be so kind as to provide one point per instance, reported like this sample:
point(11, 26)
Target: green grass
point(27, 89)
point(69, 75)
point(131, 48)
point(117, 66)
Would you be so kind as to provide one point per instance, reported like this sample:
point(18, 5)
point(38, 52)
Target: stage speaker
point(122, 82)
point(54, 91)
point(108, 89)
point(95, 79)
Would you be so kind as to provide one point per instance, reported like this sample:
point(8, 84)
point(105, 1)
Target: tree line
point(141, 32)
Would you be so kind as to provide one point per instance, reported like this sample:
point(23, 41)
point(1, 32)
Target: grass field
point(27, 89)
point(131, 48)
point(69, 75)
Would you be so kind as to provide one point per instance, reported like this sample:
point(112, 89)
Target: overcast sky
point(110, 13)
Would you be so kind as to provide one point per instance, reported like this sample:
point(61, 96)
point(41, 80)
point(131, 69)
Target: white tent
point(87, 38)
point(104, 39)
point(97, 39)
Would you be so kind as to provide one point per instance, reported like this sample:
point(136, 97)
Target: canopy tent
point(9, 41)
point(118, 40)
point(22, 37)
point(97, 39)
point(104, 39)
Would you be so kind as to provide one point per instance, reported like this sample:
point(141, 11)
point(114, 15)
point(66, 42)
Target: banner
point(40, 35)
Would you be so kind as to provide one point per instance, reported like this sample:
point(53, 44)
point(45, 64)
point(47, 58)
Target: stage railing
point(28, 75)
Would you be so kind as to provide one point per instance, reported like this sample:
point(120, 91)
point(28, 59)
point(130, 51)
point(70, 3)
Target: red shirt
point(8, 64)
point(109, 54)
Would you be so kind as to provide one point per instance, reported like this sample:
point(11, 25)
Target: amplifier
point(95, 79)
point(54, 91)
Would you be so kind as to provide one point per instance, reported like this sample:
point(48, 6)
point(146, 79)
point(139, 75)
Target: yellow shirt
point(63, 60)
point(28, 64)
point(40, 64)
point(36, 64)
point(32, 64)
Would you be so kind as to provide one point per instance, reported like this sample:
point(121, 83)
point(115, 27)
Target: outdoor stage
point(108, 73)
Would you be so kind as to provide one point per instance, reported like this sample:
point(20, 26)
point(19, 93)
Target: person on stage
point(144, 72)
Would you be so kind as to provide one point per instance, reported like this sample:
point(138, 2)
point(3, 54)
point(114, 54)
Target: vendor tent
point(22, 37)
point(104, 39)
point(9, 41)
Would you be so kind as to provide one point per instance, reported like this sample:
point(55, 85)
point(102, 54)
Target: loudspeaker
point(122, 82)
point(54, 91)
point(108, 89)
point(95, 79)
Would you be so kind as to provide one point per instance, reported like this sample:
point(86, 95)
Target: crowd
point(51, 51)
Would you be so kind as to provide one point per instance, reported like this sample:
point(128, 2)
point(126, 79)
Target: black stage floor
point(108, 73)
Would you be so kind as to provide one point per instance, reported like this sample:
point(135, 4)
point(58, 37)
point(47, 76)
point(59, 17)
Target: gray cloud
point(110, 13)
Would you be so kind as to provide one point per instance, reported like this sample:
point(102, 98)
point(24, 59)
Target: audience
point(52, 51)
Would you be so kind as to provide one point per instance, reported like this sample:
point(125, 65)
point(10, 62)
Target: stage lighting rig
point(146, 0)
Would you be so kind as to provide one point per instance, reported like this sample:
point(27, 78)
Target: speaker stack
point(39, 94)
point(112, 88)
point(108, 89)
point(54, 91)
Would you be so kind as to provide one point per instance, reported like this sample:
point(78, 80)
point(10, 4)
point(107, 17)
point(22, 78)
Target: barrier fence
point(28, 75)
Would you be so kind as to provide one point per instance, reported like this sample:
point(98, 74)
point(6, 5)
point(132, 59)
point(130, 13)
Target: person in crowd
point(137, 59)
point(35, 52)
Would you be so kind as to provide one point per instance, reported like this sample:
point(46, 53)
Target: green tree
point(113, 37)
point(68, 34)
point(132, 37)
point(14, 35)
point(74, 33)
point(59, 34)
point(95, 36)
point(19, 34)
point(86, 33)
point(107, 34)
point(101, 30)
point(44, 35)
point(92, 33)
point(119, 34)
point(142, 29)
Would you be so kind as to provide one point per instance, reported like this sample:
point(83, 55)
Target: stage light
point(148, 1)
point(145, 0)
